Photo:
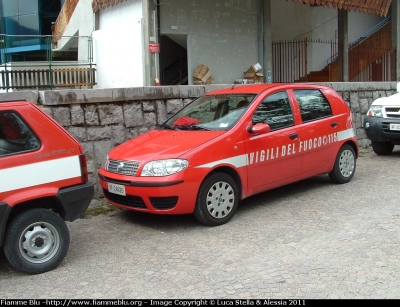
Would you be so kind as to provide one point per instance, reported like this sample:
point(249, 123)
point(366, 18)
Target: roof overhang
point(98, 5)
point(377, 7)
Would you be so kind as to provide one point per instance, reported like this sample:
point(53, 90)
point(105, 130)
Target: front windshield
point(216, 112)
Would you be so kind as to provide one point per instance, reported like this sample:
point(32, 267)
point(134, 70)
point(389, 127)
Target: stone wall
point(103, 118)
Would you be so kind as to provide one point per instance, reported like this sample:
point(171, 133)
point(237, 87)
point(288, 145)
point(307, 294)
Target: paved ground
point(313, 239)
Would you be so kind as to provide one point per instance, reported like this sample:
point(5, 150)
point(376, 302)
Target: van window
point(15, 135)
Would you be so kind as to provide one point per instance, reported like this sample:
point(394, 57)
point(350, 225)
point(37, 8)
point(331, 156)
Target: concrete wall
point(102, 119)
point(292, 19)
point(223, 34)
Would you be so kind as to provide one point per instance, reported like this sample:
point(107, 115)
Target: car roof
point(259, 88)
point(14, 101)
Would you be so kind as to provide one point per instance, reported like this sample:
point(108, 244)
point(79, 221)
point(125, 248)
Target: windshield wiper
point(199, 128)
point(166, 127)
point(192, 127)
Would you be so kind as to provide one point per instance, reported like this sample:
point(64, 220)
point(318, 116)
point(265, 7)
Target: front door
point(274, 156)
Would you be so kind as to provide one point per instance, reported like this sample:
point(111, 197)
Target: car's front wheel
point(217, 200)
point(345, 165)
point(36, 241)
point(382, 148)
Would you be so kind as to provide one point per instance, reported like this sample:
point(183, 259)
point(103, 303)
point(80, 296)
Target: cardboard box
point(254, 68)
point(210, 80)
point(202, 75)
point(254, 74)
point(206, 76)
point(200, 71)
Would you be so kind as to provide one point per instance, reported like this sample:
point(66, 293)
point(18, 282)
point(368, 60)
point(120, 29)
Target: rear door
point(273, 156)
point(318, 131)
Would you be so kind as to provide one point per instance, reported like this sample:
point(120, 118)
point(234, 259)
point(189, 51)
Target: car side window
point(313, 105)
point(275, 111)
point(15, 135)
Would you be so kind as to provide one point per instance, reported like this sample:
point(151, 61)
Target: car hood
point(393, 100)
point(161, 144)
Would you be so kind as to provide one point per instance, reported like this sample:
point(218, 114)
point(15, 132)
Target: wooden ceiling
point(98, 5)
point(376, 7)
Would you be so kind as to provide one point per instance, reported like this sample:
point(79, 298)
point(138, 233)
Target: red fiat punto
point(230, 144)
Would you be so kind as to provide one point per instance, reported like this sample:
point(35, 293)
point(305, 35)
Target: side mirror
point(259, 129)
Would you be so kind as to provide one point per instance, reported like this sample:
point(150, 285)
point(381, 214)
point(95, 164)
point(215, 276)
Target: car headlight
point(164, 167)
point(376, 111)
point(104, 164)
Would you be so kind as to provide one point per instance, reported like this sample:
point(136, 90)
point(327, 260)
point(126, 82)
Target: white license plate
point(116, 189)
point(395, 127)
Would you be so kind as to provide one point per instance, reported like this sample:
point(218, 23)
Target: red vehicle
point(43, 183)
point(230, 144)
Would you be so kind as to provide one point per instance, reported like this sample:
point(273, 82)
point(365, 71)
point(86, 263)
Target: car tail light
point(84, 168)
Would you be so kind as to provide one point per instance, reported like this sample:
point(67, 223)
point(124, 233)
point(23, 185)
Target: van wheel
point(36, 241)
point(217, 200)
point(382, 148)
point(345, 165)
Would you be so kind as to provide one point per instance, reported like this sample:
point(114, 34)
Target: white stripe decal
point(39, 173)
point(238, 161)
point(346, 134)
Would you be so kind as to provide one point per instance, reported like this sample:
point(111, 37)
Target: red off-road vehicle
point(43, 183)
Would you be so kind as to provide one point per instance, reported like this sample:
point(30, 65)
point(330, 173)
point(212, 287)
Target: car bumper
point(378, 129)
point(158, 195)
point(75, 200)
point(5, 210)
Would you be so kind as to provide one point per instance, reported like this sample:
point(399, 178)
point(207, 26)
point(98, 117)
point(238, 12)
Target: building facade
point(137, 42)
point(22, 23)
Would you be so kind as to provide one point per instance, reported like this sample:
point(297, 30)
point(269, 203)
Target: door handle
point(334, 124)
point(293, 136)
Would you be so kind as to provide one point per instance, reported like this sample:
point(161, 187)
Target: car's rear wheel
point(345, 165)
point(36, 241)
point(217, 200)
point(382, 148)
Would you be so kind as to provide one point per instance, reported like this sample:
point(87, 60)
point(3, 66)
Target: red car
point(43, 183)
point(230, 144)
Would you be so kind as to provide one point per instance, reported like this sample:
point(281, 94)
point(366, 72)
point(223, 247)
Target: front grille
point(129, 201)
point(123, 167)
point(386, 128)
point(164, 203)
point(392, 112)
point(388, 115)
point(392, 109)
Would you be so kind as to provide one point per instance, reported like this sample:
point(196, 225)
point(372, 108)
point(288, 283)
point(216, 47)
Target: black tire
point(217, 200)
point(48, 236)
point(382, 148)
point(345, 165)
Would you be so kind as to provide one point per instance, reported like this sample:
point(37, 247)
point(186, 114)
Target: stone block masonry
point(102, 118)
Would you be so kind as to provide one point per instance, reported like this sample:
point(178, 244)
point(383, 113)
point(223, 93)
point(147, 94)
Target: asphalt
point(312, 239)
